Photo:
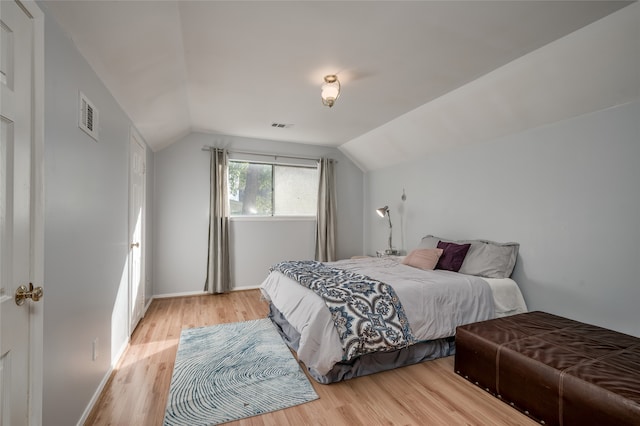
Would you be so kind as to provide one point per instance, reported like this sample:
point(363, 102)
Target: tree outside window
point(258, 189)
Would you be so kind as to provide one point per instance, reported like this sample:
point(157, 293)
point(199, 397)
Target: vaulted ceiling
point(237, 67)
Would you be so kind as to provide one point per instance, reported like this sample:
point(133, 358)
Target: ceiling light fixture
point(330, 90)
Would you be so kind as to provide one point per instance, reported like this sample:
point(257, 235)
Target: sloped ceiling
point(236, 67)
point(595, 68)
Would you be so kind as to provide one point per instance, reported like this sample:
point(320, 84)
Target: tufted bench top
point(556, 370)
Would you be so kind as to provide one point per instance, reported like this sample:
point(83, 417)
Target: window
point(259, 189)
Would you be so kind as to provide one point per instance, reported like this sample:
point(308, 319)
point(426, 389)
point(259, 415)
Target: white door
point(136, 230)
point(17, 215)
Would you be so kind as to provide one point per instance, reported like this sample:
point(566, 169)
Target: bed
point(431, 302)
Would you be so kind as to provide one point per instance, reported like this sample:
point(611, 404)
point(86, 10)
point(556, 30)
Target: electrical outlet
point(94, 349)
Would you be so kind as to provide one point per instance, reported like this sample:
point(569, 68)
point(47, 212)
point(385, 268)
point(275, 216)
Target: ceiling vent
point(281, 125)
point(88, 117)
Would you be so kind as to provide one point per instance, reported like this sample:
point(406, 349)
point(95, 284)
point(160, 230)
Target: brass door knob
point(23, 292)
point(135, 245)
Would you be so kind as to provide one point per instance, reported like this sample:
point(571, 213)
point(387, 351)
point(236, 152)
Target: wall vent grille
point(88, 117)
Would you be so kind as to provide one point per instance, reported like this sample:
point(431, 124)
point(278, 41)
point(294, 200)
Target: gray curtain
point(218, 275)
point(326, 217)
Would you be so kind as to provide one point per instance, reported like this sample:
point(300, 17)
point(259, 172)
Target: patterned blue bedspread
point(366, 313)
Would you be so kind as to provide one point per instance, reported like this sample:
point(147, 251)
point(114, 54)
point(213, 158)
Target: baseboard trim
point(195, 293)
point(94, 398)
point(103, 383)
point(181, 294)
point(146, 307)
point(251, 287)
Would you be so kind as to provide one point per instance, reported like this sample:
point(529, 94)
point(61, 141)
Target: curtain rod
point(209, 148)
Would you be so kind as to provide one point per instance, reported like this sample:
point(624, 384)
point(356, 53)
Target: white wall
point(86, 232)
point(567, 192)
point(543, 151)
point(258, 244)
point(181, 222)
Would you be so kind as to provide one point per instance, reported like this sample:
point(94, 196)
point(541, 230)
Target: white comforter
point(435, 303)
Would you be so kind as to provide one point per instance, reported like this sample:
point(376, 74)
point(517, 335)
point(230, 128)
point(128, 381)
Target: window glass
point(257, 189)
point(295, 191)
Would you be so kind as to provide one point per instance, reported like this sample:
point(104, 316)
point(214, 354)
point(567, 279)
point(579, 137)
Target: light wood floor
point(424, 394)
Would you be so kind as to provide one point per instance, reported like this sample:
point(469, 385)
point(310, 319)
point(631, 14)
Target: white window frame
point(273, 160)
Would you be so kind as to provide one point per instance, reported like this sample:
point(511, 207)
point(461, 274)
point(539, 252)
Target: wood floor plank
point(429, 393)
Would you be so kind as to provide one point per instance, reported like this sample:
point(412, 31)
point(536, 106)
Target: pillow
point(452, 256)
point(426, 259)
point(485, 258)
point(490, 260)
point(431, 242)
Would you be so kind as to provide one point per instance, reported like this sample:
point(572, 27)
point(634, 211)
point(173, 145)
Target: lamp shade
point(330, 90)
point(382, 211)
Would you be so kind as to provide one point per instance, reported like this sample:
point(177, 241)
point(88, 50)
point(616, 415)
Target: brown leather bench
point(555, 370)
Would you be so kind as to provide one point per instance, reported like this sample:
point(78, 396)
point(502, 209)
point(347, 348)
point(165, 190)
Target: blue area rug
point(231, 371)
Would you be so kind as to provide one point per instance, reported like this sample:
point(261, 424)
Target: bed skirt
point(369, 363)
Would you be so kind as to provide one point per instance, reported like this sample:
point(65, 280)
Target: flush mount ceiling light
point(330, 90)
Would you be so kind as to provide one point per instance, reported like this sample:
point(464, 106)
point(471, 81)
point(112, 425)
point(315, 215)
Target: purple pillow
point(452, 255)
